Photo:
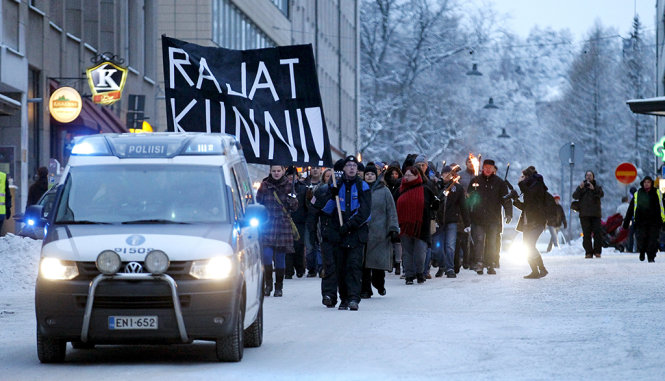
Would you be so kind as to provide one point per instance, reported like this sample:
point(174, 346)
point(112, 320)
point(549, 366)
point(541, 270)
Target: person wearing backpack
point(533, 218)
point(554, 223)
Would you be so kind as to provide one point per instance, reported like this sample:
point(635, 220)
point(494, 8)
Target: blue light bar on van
point(90, 146)
point(203, 145)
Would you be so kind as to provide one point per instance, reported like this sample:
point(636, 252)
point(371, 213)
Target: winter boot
point(439, 273)
point(534, 270)
point(279, 281)
point(541, 267)
point(267, 280)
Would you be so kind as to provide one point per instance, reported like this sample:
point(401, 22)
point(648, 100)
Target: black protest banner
point(268, 98)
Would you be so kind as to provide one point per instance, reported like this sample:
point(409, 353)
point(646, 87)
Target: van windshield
point(143, 194)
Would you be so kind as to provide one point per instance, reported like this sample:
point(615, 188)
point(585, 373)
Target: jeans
point(448, 237)
point(484, 244)
point(554, 238)
point(414, 251)
point(428, 260)
point(529, 238)
point(269, 254)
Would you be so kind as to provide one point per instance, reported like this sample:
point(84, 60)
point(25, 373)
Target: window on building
point(73, 17)
point(91, 22)
point(57, 12)
point(34, 120)
point(283, 6)
point(10, 22)
point(148, 55)
point(232, 29)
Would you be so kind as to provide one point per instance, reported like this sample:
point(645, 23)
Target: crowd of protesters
point(351, 224)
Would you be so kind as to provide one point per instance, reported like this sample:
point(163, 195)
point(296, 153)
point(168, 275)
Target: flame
point(475, 163)
point(256, 185)
point(359, 157)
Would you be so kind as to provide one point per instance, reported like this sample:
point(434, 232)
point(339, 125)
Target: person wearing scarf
point(414, 208)
point(276, 233)
point(533, 218)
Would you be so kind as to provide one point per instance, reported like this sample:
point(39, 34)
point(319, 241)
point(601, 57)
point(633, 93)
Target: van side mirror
point(34, 215)
point(255, 216)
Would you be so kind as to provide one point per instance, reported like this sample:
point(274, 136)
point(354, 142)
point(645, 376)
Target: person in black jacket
point(555, 225)
point(40, 187)
point(589, 194)
point(451, 213)
point(533, 218)
point(343, 245)
point(648, 215)
point(295, 261)
point(486, 197)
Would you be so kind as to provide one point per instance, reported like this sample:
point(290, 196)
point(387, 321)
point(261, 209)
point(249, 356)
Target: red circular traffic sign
point(626, 173)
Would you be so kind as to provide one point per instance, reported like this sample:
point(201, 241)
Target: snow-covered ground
point(600, 319)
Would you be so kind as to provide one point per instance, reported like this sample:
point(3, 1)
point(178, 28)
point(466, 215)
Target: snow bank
point(19, 262)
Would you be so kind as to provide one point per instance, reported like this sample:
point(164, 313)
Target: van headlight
point(213, 268)
point(108, 262)
point(56, 269)
point(156, 262)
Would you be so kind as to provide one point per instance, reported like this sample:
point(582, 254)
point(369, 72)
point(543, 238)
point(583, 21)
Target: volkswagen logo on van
point(135, 240)
point(133, 268)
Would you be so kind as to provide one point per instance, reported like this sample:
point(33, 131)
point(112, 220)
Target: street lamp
point(490, 104)
point(474, 70)
point(504, 135)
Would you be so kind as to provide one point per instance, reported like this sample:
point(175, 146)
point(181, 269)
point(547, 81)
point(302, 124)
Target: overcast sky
point(576, 15)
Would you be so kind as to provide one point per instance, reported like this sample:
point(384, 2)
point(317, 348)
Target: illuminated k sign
point(104, 79)
point(106, 82)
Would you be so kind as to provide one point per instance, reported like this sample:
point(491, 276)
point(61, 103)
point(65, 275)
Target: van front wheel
point(50, 350)
point(230, 348)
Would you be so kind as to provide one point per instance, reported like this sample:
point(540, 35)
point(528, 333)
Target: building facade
point(331, 26)
point(47, 44)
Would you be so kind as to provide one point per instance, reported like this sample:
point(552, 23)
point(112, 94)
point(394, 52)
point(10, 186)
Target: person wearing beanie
point(393, 179)
point(647, 213)
point(451, 213)
point(486, 197)
point(343, 245)
point(555, 226)
point(415, 207)
point(276, 234)
point(589, 194)
point(533, 219)
point(383, 231)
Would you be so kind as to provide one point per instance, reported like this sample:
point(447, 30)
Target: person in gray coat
point(383, 231)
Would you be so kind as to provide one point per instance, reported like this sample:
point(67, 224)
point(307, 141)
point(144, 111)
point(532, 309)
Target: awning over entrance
point(96, 118)
point(649, 106)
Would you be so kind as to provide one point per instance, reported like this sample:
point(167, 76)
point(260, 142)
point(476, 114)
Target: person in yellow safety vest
point(649, 212)
point(5, 199)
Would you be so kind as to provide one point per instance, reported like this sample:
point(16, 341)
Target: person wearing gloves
point(344, 244)
point(486, 197)
point(533, 218)
point(451, 212)
point(383, 231)
point(648, 215)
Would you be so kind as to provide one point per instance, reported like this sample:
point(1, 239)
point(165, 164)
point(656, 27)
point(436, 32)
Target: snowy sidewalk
point(600, 319)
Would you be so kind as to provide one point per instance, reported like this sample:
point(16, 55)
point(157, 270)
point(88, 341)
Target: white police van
point(152, 240)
